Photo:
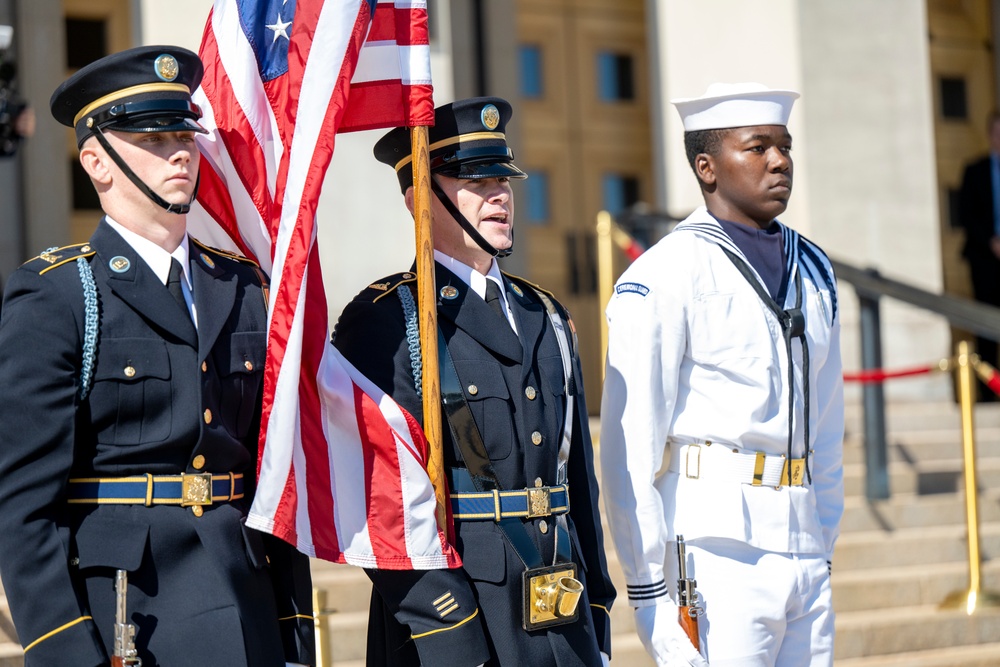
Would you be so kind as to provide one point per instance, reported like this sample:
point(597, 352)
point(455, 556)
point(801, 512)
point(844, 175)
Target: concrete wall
point(867, 103)
point(865, 184)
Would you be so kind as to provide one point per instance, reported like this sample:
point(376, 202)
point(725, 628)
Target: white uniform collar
point(156, 257)
point(702, 223)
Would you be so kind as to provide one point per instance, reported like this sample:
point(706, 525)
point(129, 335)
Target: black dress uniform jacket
point(165, 399)
point(514, 384)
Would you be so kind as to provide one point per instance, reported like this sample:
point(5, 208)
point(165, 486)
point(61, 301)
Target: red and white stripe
point(342, 467)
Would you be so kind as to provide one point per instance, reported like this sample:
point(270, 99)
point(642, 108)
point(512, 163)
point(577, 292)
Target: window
point(619, 192)
point(615, 77)
point(86, 41)
point(532, 85)
point(537, 197)
point(954, 103)
point(581, 249)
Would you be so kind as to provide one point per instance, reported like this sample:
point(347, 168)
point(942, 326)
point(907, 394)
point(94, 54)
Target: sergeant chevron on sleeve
point(722, 410)
point(131, 372)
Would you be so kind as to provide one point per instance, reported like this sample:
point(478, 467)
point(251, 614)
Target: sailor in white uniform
point(722, 413)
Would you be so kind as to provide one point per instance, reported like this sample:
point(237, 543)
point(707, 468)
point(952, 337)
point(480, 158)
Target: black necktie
point(174, 285)
point(493, 299)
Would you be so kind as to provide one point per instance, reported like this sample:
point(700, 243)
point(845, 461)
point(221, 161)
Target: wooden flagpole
point(427, 310)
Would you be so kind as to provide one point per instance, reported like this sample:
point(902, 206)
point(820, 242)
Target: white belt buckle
point(696, 448)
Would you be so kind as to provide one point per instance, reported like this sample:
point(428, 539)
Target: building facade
point(895, 96)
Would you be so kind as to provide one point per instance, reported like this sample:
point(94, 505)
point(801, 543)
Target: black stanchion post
point(876, 460)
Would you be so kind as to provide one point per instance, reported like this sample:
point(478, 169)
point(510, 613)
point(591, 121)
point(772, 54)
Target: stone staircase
point(895, 562)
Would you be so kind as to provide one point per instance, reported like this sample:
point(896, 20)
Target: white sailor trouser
point(762, 609)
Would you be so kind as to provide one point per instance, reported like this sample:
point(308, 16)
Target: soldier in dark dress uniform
point(511, 377)
point(130, 392)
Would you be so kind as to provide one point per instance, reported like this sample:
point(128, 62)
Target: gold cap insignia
point(449, 292)
point(119, 264)
point(166, 67)
point(207, 261)
point(490, 117)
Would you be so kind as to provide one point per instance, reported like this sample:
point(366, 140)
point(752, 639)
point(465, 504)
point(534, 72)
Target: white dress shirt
point(477, 281)
point(158, 260)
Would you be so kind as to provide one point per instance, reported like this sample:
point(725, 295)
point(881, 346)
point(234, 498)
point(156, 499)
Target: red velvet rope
point(880, 374)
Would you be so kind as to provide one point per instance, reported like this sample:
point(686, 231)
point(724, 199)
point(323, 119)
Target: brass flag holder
point(321, 626)
point(974, 597)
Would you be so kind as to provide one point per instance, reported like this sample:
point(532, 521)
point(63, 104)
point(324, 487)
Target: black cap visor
point(156, 115)
point(469, 170)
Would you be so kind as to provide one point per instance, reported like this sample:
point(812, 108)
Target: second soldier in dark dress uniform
point(130, 392)
point(505, 348)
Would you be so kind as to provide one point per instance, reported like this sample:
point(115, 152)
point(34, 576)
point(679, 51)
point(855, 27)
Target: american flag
point(342, 467)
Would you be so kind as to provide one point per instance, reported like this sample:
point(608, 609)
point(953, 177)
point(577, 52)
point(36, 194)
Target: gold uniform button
point(197, 510)
point(536, 438)
point(129, 372)
point(538, 482)
point(530, 393)
point(473, 390)
point(198, 463)
point(543, 526)
point(248, 365)
point(208, 416)
point(204, 367)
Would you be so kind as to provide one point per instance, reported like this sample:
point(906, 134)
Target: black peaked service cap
point(466, 141)
point(145, 89)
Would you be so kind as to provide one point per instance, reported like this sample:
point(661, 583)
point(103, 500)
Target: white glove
point(664, 638)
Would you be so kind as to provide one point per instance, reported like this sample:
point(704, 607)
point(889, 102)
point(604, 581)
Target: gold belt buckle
point(798, 472)
point(539, 502)
point(196, 489)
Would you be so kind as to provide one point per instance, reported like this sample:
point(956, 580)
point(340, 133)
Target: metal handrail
point(972, 316)
point(870, 286)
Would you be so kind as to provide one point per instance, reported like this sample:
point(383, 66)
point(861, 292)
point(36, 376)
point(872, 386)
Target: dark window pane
point(537, 197)
point(573, 264)
point(615, 77)
point(954, 220)
point(619, 192)
point(84, 195)
point(531, 71)
point(86, 41)
point(581, 249)
point(953, 99)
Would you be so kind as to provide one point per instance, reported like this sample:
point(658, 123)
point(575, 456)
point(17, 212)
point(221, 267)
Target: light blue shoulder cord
point(412, 337)
point(90, 327)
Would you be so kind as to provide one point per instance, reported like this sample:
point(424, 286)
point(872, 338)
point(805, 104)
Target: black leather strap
point(470, 444)
point(793, 325)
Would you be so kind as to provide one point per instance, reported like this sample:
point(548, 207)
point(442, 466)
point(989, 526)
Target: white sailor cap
point(726, 105)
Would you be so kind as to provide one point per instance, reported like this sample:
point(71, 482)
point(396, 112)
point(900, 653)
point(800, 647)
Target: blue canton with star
point(268, 26)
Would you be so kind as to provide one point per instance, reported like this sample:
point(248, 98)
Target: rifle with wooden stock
point(687, 596)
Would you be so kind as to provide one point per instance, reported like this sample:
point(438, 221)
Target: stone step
point(925, 477)
point(910, 510)
point(919, 415)
point(867, 550)
point(911, 585)
point(926, 444)
point(909, 629)
point(977, 655)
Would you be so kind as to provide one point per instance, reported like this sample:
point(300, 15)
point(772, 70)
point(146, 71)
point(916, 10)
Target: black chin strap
point(467, 226)
point(180, 209)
